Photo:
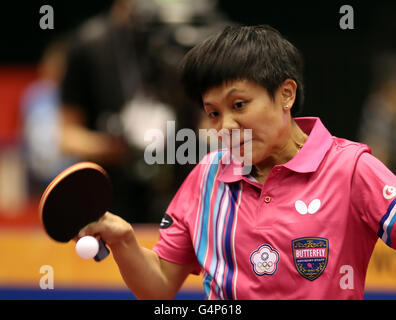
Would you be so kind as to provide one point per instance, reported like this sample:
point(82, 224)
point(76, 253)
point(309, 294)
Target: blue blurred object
point(12, 293)
point(41, 122)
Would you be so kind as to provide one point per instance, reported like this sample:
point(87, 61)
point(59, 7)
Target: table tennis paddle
point(79, 195)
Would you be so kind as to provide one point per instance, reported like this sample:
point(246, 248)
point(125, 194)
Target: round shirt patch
point(389, 192)
point(264, 260)
point(166, 221)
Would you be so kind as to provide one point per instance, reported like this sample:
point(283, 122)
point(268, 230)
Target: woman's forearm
point(141, 270)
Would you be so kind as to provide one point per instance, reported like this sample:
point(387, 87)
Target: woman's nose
point(230, 127)
point(230, 123)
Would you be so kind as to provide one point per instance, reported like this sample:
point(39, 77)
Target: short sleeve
point(374, 196)
point(177, 225)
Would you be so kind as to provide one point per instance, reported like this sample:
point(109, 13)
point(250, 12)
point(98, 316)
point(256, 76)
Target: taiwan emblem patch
point(310, 255)
point(264, 260)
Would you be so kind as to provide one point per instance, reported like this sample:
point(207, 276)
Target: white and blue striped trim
point(387, 222)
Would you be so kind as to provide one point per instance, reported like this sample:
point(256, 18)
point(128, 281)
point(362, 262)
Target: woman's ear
point(287, 93)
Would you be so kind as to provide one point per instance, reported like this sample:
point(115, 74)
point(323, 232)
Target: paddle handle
point(103, 251)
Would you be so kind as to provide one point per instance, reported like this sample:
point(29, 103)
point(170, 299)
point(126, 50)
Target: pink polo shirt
point(307, 233)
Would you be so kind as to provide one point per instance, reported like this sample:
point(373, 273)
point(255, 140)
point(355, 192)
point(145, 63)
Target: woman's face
point(244, 104)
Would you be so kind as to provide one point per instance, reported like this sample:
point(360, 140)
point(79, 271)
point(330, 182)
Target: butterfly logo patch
point(310, 255)
point(312, 208)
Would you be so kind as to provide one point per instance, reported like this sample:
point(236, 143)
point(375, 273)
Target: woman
point(301, 225)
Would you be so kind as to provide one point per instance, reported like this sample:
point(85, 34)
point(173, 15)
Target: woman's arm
point(147, 275)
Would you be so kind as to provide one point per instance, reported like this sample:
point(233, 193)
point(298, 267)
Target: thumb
point(90, 229)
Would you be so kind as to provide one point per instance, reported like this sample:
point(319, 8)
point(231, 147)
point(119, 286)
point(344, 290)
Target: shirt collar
point(306, 160)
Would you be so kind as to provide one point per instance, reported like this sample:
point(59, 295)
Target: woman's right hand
point(111, 228)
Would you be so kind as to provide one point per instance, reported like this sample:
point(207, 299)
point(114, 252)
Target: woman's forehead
point(231, 86)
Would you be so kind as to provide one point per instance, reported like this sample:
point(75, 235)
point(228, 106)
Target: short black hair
point(258, 53)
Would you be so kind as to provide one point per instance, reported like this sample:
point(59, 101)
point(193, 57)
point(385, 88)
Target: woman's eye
point(213, 114)
point(239, 104)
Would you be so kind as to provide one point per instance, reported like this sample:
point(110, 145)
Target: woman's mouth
point(240, 144)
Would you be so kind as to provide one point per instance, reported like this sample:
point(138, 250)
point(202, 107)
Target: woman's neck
point(281, 155)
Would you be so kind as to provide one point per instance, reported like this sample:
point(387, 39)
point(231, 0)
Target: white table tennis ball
point(87, 247)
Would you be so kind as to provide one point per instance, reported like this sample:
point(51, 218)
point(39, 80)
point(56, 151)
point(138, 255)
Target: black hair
point(258, 53)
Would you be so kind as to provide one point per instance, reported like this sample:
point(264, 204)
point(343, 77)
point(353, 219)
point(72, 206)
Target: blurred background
point(88, 85)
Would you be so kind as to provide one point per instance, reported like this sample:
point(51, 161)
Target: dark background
point(337, 62)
